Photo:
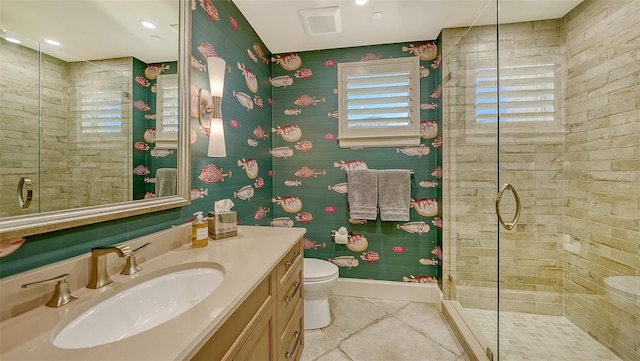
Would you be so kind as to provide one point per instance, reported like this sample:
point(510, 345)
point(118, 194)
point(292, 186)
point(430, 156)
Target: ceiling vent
point(321, 21)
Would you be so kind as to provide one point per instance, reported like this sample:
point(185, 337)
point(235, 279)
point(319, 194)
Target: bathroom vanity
point(268, 324)
point(256, 313)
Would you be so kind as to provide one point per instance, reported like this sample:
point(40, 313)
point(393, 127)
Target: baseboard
point(388, 290)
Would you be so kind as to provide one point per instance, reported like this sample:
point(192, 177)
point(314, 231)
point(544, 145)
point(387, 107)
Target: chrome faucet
point(99, 274)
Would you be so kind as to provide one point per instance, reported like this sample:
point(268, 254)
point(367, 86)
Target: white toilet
point(319, 277)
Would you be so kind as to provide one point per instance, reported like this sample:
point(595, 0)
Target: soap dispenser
point(199, 231)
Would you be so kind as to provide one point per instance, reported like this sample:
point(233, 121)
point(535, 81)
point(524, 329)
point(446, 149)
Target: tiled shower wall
point(602, 168)
point(19, 110)
point(578, 180)
point(99, 164)
point(71, 180)
point(530, 159)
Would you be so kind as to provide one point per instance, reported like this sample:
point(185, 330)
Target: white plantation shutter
point(379, 103)
point(527, 93)
point(101, 112)
point(167, 115)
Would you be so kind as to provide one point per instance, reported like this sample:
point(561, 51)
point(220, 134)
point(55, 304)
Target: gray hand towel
point(166, 182)
point(394, 188)
point(363, 193)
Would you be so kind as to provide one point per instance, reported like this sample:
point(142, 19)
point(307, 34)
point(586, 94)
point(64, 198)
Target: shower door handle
point(24, 186)
point(508, 225)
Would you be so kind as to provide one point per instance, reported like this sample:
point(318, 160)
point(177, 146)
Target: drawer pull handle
point(295, 257)
point(295, 346)
point(297, 287)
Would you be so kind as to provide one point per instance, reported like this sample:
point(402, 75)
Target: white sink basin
point(139, 308)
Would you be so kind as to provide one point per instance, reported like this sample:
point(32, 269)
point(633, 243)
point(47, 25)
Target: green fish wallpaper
point(245, 175)
point(310, 182)
point(283, 166)
point(146, 157)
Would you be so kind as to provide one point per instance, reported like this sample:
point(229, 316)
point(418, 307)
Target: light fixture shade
point(217, 145)
point(216, 68)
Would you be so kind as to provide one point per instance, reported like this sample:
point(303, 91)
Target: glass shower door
point(470, 165)
point(530, 172)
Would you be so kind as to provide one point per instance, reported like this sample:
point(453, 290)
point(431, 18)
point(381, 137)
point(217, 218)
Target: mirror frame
point(22, 226)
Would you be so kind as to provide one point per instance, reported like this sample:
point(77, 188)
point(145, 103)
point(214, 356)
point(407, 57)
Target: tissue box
point(222, 225)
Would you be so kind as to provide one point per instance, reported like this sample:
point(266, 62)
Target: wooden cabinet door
point(261, 343)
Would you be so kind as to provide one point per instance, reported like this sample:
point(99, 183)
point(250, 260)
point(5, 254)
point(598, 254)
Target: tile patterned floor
point(526, 336)
point(365, 329)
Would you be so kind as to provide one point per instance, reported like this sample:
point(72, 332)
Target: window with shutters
point(167, 116)
point(379, 103)
point(527, 94)
point(101, 112)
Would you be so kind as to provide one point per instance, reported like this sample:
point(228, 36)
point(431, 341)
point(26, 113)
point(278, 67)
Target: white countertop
point(246, 259)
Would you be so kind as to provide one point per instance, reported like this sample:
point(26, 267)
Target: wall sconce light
point(216, 68)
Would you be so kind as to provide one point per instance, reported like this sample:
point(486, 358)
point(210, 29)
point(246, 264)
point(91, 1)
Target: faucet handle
point(61, 295)
point(131, 265)
point(126, 250)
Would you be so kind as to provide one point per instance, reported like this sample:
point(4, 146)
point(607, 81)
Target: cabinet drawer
point(288, 263)
point(292, 339)
point(289, 297)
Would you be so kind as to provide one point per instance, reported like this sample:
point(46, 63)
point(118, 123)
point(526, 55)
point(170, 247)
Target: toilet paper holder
point(341, 236)
point(334, 231)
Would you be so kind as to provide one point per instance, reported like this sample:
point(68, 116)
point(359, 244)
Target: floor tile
point(350, 314)
point(427, 319)
point(525, 336)
point(335, 355)
point(367, 329)
point(392, 340)
point(389, 306)
point(316, 344)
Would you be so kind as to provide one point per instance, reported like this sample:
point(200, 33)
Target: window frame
point(167, 120)
point(506, 106)
point(384, 135)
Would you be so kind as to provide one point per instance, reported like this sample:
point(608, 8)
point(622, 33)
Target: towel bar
point(412, 172)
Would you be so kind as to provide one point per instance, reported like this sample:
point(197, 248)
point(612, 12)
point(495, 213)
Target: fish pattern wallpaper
point(245, 175)
point(284, 167)
point(310, 181)
point(146, 157)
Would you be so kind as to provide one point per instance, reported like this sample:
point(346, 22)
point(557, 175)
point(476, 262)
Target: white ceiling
point(103, 29)
point(278, 24)
point(94, 29)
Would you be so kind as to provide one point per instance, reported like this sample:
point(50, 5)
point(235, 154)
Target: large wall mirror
point(85, 88)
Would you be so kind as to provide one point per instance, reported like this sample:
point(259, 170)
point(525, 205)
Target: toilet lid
point(318, 270)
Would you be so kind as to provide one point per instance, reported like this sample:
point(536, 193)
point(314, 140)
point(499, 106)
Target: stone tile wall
point(100, 164)
point(20, 125)
point(602, 168)
point(78, 169)
point(579, 179)
point(530, 157)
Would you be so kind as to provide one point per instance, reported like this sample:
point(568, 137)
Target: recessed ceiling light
point(156, 37)
point(361, 2)
point(52, 42)
point(147, 24)
point(376, 16)
point(12, 40)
